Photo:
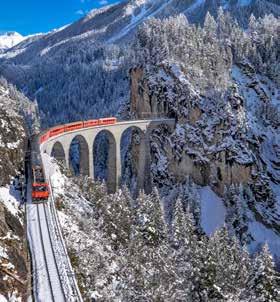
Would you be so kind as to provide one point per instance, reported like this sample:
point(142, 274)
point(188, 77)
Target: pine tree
point(187, 256)
point(227, 266)
point(264, 281)
point(147, 270)
point(210, 27)
point(116, 219)
point(150, 220)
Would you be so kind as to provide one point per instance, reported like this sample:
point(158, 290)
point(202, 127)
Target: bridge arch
point(105, 157)
point(58, 152)
point(79, 156)
point(133, 151)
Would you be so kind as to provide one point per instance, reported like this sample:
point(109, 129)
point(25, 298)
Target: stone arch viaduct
point(59, 147)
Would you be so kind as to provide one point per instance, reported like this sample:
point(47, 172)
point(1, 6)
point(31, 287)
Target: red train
point(40, 189)
point(76, 126)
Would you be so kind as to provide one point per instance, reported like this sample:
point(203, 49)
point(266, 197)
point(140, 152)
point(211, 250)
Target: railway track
point(56, 289)
point(53, 277)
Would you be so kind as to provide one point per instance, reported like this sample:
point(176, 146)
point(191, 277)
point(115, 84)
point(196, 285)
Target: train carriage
point(57, 130)
point(74, 126)
point(91, 123)
point(107, 121)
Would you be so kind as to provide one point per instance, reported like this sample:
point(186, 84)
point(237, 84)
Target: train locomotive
point(40, 187)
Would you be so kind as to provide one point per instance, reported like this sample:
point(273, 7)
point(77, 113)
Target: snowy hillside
point(47, 67)
point(121, 249)
point(13, 253)
point(113, 23)
point(10, 39)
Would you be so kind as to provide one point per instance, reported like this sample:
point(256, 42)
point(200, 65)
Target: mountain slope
point(59, 68)
point(116, 22)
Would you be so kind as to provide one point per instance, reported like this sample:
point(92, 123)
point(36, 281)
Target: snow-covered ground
point(263, 235)
point(213, 211)
point(11, 199)
point(213, 215)
point(136, 19)
point(3, 299)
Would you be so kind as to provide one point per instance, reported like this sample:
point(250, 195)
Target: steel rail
point(44, 253)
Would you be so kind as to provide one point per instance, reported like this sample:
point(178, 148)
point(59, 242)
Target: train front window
point(40, 189)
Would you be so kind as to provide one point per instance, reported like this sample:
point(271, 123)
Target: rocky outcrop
point(208, 144)
point(143, 103)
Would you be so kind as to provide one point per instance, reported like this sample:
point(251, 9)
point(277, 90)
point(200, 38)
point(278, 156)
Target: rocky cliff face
point(14, 264)
point(222, 144)
point(200, 147)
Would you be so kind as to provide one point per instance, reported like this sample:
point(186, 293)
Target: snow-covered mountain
point(44, 65)
point(114, 23)
point(10, 39)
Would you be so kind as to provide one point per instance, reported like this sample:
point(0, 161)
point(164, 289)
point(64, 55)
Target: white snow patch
point(3, 253)
point(10, 39)
point(10, 201)
point(145, 14)
point(264, 235)
point(13, 145)
point(3, 299)
point(10, 236)
point(213, 211)
point(194, 6)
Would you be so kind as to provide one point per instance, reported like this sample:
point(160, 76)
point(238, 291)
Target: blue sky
point(33, 16)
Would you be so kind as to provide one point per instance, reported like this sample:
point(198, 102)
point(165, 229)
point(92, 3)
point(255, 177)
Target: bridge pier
point(145, 175)
point(91, 162)
point(118, 164)
point(67, 159)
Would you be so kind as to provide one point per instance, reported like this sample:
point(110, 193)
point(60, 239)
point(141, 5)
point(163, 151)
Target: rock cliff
point(14, 264)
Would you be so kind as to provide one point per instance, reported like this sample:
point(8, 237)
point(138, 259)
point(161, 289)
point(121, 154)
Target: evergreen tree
point(116, 219)
point(264, 281)
point(150, 220)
